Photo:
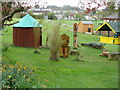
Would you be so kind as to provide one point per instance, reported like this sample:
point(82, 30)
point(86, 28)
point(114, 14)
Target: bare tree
point(9, 9)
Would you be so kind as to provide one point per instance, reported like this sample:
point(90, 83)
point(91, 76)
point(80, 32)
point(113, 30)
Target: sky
point(62, 2)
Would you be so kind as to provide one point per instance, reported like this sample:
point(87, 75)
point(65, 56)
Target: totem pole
point(75, 36)
point(64, 49)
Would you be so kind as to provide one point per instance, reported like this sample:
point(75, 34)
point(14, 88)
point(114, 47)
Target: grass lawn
point(94, 72)
point(71, 22)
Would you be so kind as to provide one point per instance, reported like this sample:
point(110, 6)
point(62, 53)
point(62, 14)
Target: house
point(23, 32)
point(85, 26)
point(109, 32)
point(111, 18)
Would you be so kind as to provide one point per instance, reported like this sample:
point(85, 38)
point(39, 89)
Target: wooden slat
point(24, 37)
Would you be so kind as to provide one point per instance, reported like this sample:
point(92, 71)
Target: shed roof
point(87, 22)
point(110, 26)
point(27, 21)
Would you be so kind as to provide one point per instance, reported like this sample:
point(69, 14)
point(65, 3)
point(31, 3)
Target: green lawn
point(71, 22)
point(94, 72)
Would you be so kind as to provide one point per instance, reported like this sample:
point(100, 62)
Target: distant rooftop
point(115, 26)
point(112, 17)
point(87, 22)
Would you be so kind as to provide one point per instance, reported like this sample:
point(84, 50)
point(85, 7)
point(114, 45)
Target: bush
point(41, 16)
point(5, 47)
point(17, 75)
point(51, 16)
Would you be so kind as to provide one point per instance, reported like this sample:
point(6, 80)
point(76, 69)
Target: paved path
point(67, 25)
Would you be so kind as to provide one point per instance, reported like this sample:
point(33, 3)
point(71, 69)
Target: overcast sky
point(62, 2)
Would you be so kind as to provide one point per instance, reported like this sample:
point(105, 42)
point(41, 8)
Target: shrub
point(17, 76)
point(5, 47)
point(51, 16)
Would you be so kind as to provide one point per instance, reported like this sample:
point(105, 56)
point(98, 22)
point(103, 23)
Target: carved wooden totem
point(75, 35)
point(64, 49)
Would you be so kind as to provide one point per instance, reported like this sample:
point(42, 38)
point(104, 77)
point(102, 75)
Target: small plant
point(79, 56)
point(5, 47)
point(16, 75)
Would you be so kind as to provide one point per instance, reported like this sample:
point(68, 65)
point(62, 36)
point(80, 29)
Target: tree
point(67, 14)
point(54, 41)
point(79, 16)
point(91, 6)
point(11, 8)
point(51, 16)
point(110, 9)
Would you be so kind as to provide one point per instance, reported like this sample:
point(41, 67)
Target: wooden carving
point(75, 35)
point(64, 49)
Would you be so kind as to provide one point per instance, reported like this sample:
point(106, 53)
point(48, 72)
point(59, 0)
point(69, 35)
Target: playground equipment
point(109, 33)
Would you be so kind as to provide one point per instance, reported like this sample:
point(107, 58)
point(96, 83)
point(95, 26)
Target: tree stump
point(104, 53)
point(74, 52)
point(114, 55)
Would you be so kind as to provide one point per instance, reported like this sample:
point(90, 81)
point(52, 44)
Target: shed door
point(89, 29)
point(40, 36)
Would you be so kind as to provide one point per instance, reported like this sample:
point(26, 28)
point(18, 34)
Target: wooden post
point(100, 33)
point(36, 39)
point(108, 33)
point(75, 35)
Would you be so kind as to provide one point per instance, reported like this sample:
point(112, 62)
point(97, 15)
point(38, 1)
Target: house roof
point(110, 26)
point(27, 21)
point(112, 17)
point(115, 26)
point(87, 22)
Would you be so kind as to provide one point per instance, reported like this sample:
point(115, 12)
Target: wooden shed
point(109, 33)
point(23, 32)
point(85, 26)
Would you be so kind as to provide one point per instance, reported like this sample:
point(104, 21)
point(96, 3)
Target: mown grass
point(94, 72)
point(71, 22)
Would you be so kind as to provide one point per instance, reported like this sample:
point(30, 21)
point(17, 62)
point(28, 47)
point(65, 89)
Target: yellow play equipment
point(109, 33)
point(110, 40)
